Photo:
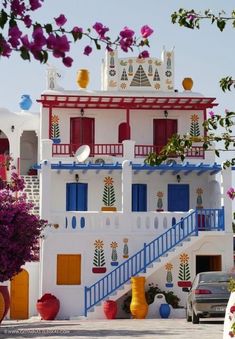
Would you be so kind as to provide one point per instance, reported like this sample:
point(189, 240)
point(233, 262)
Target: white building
point(112, 216)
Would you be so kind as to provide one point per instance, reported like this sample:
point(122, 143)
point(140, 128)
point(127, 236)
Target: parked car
point(208, 296)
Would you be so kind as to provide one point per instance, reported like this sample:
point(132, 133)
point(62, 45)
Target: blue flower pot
point(25, 102)
point(165, 311)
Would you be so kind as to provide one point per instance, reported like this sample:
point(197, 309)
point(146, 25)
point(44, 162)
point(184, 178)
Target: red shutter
point(163, 129)
point(82, 132)
point(124, 132)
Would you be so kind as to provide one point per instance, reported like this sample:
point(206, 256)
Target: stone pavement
point(111, 329)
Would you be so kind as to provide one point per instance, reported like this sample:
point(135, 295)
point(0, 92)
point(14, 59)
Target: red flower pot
point(6, 297)
point(110, 309)
point(48, 306)
point(184, 283)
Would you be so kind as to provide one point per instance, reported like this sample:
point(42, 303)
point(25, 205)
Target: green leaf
point(221, 24)
point(48, 28)
point(3, 18)
point(76, 36)
point(24, 53)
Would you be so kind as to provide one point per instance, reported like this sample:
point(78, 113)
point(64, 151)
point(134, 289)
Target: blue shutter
point(178, 197)
point(139, 197)
point(71, 196)
point(81, 197)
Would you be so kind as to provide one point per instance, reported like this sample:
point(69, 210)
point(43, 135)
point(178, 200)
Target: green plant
point(231, 285)
point(150, 294)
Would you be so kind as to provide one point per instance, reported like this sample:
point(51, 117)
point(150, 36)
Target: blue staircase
point(198, 220)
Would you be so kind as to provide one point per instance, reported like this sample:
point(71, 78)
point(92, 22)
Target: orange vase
point(83, 78)
point(138, 306)
point(187, 84)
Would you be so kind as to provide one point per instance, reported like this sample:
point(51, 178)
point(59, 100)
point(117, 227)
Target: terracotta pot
point(83, 78)
point(138, 306)
point(5, 293)
point(187, 84)
point(48, 307)
point(110, 309)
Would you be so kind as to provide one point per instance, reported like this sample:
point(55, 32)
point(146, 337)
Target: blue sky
point(205, 55)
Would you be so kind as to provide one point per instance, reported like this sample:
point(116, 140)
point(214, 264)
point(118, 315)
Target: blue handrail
point(200, 219)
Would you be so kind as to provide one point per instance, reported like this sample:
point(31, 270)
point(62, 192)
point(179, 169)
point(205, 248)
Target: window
point(68, 269)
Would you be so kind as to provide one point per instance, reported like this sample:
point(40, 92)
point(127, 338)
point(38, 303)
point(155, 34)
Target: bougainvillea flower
point(61, 20)
point(144, 54)
point(87, 50)
point(231, 193)
point(146, 31)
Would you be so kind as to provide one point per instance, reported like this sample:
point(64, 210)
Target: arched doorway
point(19, 296)
point(28, 151)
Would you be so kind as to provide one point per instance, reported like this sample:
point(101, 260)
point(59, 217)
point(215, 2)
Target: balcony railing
point(96, 149)
point(144, 150)
point(118, 150)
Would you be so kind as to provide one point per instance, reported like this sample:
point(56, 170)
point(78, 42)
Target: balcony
point(117, 150)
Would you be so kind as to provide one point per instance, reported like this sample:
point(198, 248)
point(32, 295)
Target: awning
point(177, 102)
point(186, 167)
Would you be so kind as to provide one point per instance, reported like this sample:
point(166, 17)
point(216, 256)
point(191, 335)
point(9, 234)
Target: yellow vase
point(83, 78)
point(138, 306)
point(187, 84)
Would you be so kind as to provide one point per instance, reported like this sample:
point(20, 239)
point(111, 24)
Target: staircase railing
point(201, 219)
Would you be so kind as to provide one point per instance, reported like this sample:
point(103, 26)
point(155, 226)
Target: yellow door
point(19, 296)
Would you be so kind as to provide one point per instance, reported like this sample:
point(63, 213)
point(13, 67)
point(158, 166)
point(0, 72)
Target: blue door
point(139, 197)
point(178, 197)
point(76, 196)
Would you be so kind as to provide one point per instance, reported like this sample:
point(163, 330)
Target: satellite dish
point(82, 153)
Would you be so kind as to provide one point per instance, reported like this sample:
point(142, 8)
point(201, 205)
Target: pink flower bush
point(231, 193)
point(42, 40)
point(20, 230)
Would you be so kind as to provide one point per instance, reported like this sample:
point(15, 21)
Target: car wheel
point(188, 317)
point(195, 318)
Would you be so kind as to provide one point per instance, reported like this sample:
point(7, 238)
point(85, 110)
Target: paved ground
point(112, 329)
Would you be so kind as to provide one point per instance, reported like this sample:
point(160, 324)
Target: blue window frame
point(76, 196)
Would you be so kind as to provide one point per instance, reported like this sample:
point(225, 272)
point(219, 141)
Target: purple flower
point(126, 43)
point(14, 34)
point(77, 30)
point(18, 7)
point(146, 31)
point(58, 44)
point(27, 21)
point(35, 4)
point(127, 33)
point(231, 193)
point(144, 54)
point(61, 20)
point(25, 41)
point(191, 16)
point(87, 50)
point(211, 114)
point(39, 38)
point(6, 48)
point(67, 61)
point(100, 29)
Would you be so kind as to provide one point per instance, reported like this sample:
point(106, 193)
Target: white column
point(228, 209)
point(128, 149)
point(45, 178)
point(126, 186)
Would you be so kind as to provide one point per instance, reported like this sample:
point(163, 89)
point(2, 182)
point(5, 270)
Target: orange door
point(19, 296)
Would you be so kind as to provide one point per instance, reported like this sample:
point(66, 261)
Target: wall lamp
point(77, 177)
point(82, 112)
point(165, 114)
point(178, 178)
point(12, 128)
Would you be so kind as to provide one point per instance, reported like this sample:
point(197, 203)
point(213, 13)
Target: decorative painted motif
point(55, 129)
point(114, 255)
point(150, 70)
point(159, 201)
point(168, 74)
point(169, 277)
point(158, 63)
point(184, 271)
point(140, 78)
point(112, 72)
point(140, 60)
point(157, 86)
point(168, 61)
point(156, 75)
point(130, 68)
point(194, 127)
point(124, 75)
point(111, 61)
point(123, 85)
point(199, 192)
point(123, 63)
point(112, 83)
point(108, 195)
point(125, 248)
point(99, 258)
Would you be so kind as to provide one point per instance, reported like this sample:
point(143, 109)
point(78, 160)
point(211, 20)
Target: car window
point(215, 277)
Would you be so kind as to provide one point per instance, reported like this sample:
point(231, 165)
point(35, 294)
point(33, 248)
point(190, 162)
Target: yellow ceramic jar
point(187, 84)
point(138, 306)
point(83, 78)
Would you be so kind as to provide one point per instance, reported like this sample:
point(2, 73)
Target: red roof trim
point(123, 102)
